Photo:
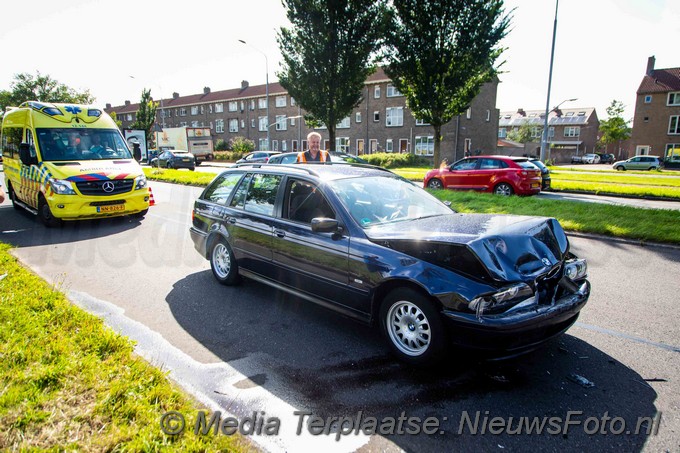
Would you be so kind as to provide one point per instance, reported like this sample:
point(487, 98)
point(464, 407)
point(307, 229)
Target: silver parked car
point(638, 163)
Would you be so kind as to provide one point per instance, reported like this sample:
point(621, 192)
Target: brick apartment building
point(571, 131)
point(656, 123)
point(381, 123)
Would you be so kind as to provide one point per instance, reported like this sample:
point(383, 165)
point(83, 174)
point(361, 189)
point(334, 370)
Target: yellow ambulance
point(69, 162)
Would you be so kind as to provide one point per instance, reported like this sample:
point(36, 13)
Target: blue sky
point(601, 49)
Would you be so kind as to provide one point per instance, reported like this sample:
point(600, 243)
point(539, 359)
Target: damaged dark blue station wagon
point(373, 246)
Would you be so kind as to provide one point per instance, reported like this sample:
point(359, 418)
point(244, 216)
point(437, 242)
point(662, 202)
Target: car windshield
point(378, 200)
point(81, 144)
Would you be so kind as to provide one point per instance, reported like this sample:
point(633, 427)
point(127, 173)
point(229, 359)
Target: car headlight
point(576, 269)
point(504, 299)
point(140, 182)
point(61, 186)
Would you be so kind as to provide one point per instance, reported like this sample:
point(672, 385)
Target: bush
point(241, 144)
point(228, 156)
point(394, 160)
point(221, 145)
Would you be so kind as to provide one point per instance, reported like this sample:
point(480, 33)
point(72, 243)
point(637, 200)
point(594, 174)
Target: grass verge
point(652, 225)
point(616, 189)
point(185, 177)
point(69, 383)
point(650, 179)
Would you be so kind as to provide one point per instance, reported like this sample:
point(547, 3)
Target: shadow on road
point(334, 366)
point(23, 229)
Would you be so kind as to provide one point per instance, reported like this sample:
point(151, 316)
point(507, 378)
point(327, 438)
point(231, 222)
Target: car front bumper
point(516, 332)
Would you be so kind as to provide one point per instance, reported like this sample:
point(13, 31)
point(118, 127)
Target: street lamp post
point(544, 136)
point(266, 64)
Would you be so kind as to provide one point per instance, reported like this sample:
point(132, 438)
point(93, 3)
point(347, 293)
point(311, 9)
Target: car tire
point(46, 216)
point(620, 168)
point(169, 166)
point(413, 327)
point(503, 189)
point(198, 162)
point(652, 168)
point(12, 196)
point(223, 263)
point(434, 183)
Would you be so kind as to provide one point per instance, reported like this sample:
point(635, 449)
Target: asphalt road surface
point(252, 351)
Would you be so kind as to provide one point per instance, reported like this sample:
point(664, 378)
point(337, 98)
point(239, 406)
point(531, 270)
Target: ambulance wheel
point(12, 196)
point(46, 216)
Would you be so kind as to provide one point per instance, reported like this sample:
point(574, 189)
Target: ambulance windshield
point(81, 144)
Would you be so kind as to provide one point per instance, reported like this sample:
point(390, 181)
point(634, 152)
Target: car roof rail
point(274, 167)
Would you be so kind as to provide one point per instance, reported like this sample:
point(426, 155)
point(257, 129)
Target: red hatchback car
point(502, 175)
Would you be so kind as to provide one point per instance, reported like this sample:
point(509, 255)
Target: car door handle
point(280, 233)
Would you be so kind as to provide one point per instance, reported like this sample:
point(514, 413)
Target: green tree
point(441, 52)
point(523, 133)
point(27, 87)
point(614, 129)
point(328, 54)
point(115, 119)
point(146, 115)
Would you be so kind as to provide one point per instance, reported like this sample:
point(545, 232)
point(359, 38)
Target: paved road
point(251, 348)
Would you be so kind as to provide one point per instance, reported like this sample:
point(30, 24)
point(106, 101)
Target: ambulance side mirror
point(25, 155)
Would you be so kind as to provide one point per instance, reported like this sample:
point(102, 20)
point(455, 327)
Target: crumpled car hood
point(499, 247)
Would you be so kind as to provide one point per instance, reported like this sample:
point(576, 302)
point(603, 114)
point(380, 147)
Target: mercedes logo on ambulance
point(108, 187)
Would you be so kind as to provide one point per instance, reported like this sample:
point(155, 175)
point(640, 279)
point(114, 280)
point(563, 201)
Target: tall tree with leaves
point(524, 133)
point(27, 87)
point(614, 129)
point(328, 54)
point(440, 52)
point(146, 115)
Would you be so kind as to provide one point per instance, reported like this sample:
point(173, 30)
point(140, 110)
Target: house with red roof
point(656, 123)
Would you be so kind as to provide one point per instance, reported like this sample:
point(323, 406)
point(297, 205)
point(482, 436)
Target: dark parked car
point(545, 173)
point(502, 175)
point(375, 247)
point(291, 158)
point(606, 158)
point(257, 157)
point(175, 159)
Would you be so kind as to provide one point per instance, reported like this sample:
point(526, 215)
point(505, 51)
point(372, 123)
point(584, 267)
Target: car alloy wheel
point(620, 168)
point(503, 189)
point(412, 326)
point(223, 264)
point(435, 184)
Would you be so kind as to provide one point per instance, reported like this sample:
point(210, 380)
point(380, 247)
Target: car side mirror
point(325, 225)
point(25, 155)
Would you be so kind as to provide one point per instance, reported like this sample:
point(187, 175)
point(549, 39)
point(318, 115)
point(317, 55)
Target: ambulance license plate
point(111, 208)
